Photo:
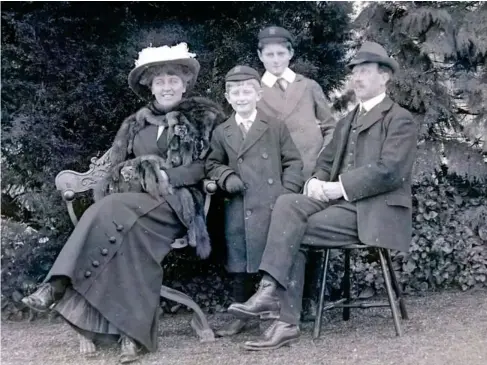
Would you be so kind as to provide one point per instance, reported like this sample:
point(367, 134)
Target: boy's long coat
point(269, 164)
point(304, 109)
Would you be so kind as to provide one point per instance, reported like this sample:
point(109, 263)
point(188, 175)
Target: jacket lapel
point(375, 114)
point(342, 143)
point(254, 134)
point(293, 95)
point(233, 134)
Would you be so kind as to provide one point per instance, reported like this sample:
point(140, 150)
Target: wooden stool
point(346, 301)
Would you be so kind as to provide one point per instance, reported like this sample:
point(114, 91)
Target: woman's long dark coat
point(270, 165)
point(113, 256)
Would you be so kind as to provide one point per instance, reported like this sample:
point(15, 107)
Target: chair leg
point(392, 302)
point(319, 313)
point(346, 286)
point(395, 285)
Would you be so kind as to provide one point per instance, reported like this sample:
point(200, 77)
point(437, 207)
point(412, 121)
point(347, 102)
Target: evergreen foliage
point(442, 50)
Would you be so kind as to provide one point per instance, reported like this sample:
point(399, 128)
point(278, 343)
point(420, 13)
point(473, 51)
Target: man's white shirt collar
point(369, 104)
point(270, 79)
point(250, 119)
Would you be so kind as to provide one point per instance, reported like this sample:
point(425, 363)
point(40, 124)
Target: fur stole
point(189, 126)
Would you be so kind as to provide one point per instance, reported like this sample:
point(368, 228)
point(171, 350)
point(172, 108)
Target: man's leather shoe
point(277, 335)
point(232, 328)
point(264, 303)
point(42, 299)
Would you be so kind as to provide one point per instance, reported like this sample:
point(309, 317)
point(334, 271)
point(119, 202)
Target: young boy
point(254, 160)
point(293, 98)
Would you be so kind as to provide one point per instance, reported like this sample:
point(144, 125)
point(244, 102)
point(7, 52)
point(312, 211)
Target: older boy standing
point(293, 98)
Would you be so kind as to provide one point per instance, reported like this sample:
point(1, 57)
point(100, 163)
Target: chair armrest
point(70, 183)
point(209, 186)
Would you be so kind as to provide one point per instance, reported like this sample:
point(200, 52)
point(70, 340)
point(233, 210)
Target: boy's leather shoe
point(232, 328)
point(277, 335)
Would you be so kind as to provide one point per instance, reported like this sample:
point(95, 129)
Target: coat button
point(119, 228)
point(270, 181)
point(248, 213)
point(96, 263)
point(104, 251)
point(265, 156)
point(112, 239)
point(87, 274)
point(246, 186)
point(240, 160)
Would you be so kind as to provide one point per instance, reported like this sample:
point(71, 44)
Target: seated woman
point(106, 280)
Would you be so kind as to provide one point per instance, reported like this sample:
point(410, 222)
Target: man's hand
point(332, 190)
point(314, 190)
point(233, 184)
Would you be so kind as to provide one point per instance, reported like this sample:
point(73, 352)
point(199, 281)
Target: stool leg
point(319, 313)
point(392, 302)
point(346, 286)
point(395, 285)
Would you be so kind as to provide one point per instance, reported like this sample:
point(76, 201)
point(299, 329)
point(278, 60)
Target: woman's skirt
point(113, 258)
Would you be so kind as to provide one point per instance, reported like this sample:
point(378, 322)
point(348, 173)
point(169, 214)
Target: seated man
point(360, 191)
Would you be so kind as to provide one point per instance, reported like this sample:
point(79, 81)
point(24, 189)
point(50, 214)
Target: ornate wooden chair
point(346, 302)
point(70, 183)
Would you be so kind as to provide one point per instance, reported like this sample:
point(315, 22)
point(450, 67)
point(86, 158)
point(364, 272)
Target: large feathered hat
point(155, 56)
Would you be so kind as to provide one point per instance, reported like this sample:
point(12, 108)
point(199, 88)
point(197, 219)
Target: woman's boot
point(86, 346)
point(128, 350)
point(47, 294)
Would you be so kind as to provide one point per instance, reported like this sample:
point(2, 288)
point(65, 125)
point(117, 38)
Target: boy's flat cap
point(275, 34)
point(242, 73)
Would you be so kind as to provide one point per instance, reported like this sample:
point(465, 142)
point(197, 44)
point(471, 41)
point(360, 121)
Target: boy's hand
point(233, 184)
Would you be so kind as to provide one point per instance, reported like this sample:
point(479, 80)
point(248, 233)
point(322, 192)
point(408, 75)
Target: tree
point(442, 50)
point(65, 92)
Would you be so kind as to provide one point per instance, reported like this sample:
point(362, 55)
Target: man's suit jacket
point(380, 182)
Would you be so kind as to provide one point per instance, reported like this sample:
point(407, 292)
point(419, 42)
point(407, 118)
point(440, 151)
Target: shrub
point(448, 250)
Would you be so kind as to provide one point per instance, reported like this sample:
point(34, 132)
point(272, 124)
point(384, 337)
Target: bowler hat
point(274, 35)
point(156, 56)
point(373, 52)
point(242, 73)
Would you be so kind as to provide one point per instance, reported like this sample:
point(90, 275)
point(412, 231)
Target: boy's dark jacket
point(270, 165)
point(189, 126)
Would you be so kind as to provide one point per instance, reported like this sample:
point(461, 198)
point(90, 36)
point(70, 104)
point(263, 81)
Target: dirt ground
point(444, 329)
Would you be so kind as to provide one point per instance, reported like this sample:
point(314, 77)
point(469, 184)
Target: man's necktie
point(360, 114)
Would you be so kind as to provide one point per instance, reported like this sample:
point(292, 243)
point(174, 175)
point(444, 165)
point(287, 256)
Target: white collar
point(369, 104)
point(270, 79)
point(241, 120)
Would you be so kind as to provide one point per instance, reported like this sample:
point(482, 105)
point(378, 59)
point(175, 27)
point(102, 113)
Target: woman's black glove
point(233, 184)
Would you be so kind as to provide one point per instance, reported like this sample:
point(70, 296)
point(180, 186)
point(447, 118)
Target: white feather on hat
point(156, 56)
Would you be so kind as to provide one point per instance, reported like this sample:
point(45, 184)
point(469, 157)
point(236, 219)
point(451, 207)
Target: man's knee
point(288, 200)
